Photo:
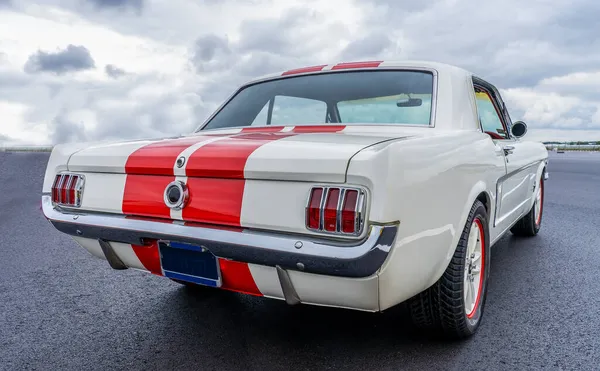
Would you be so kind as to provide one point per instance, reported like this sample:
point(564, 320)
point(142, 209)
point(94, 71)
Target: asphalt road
point(62, 309)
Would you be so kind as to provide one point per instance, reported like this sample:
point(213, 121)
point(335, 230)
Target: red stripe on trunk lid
point(143, 195)
point(227, 158)
point(217, 201)
point(158, 158)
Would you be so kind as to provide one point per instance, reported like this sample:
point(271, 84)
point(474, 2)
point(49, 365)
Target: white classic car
point(354, 185)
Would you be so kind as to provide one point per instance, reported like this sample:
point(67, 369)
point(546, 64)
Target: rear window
point(359, 97)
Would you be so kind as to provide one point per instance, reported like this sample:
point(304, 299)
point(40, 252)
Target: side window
point(489, 117)
point(298, 111)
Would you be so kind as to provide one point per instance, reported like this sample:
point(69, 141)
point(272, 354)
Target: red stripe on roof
point(215, 201)
point(342, 66)
point(158, 158)
point(304, 70)
point(143, 196)
point(227, 158)
point(236, 276)
point(318, 128)
point(263, 129)
point(149, 257)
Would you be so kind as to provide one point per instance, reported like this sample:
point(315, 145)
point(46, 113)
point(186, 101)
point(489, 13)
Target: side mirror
point(518, 129)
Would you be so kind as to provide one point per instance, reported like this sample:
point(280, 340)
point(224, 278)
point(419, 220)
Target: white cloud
point(160, 68)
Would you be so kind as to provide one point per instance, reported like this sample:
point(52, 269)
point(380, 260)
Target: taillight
point(337, 210)
point(67, 189)
point(331, 210)
point(314, 209)
point(349, 212)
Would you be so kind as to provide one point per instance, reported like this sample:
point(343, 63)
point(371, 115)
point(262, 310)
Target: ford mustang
point(354, 185)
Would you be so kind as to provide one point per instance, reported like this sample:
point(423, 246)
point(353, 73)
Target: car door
point(513, 190)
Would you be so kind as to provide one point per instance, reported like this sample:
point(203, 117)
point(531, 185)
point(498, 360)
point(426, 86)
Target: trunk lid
point(299, 154)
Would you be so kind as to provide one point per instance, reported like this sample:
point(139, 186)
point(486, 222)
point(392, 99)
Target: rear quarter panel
point(428, 184)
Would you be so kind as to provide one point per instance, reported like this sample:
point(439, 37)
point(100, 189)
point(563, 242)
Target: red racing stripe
point(304, 70)
point(217, 201)
point(159, 157)
point(236, 276)
point(263, 129)
point(348, 65)
point(227, 158)
point(149, 257)
point(318, 128)
point(143, 195)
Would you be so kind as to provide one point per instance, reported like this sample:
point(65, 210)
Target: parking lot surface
point(60, 308)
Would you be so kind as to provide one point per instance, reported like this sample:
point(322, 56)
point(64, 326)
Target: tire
point(530, 224)
point(445, 308)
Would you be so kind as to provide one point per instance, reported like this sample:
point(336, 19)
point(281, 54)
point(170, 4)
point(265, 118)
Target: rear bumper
point(350, 259)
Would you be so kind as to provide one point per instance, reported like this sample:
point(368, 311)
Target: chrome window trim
point(434, 94)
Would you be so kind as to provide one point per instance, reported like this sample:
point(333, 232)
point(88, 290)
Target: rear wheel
point(530, 224)
point(453, 306)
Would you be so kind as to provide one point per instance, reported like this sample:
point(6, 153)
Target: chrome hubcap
point(474, 261)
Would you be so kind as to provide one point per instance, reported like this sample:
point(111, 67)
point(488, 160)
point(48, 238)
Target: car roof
point(440, 68)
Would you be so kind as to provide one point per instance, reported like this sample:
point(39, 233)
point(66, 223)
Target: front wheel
point(454, 305)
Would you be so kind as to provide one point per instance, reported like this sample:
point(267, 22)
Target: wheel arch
point(479, 192)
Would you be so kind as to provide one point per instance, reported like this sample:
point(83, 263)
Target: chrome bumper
point(356, 258)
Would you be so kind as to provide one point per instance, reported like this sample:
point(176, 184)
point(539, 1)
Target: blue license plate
point(191, 263)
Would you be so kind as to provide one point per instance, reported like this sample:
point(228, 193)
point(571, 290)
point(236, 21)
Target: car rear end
point(242, 216)
point(263, 210)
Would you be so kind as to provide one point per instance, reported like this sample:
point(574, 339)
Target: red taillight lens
point(71, 189)
point(55, 188)
point(314, 208)
point(66, 189)
point(349, 212)
point(63, 190)
point(337, 210)
point(330, 213)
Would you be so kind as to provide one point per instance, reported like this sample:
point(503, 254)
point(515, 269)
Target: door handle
point(508, 150)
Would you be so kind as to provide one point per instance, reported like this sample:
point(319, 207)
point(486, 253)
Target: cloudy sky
point(85, 70)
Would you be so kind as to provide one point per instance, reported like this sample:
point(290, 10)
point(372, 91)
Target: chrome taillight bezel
point(359, 210)
point(69, 182)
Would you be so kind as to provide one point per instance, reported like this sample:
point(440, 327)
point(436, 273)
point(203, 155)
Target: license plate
point(191, 263)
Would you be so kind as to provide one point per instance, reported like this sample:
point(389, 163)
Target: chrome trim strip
point(360, 211)
point(338, 213)
point(344, 258)
point(499, 188)
point(323, 205)
point(79, 190)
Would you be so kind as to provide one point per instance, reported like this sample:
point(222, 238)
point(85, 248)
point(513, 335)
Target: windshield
point(366, 97)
